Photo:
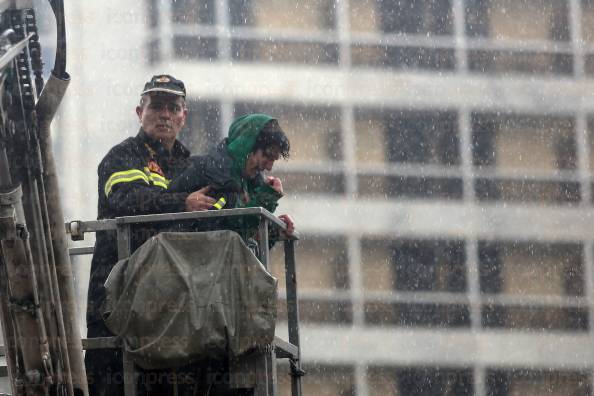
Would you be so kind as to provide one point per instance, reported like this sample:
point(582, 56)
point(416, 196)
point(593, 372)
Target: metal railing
point(261, 367)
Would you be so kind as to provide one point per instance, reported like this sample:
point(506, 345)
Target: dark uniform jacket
point(215, 170)
point(133, 180)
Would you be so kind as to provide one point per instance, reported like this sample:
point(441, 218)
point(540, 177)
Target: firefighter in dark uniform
point(133, 180)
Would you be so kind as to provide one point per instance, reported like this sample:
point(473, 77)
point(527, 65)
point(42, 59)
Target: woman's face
point(261, 160)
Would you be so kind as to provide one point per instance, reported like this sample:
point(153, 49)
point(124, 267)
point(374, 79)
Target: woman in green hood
point(234, 170)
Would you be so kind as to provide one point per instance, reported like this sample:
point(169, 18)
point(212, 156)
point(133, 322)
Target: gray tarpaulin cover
point(186, 296)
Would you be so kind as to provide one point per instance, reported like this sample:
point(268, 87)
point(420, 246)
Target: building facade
point(440, 176)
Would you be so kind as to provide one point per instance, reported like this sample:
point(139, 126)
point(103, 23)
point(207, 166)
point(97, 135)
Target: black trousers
point(105, 375)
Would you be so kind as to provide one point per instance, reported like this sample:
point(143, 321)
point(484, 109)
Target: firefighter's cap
point(164, 83)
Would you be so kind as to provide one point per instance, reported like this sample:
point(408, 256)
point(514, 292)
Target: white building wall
point(107, 61)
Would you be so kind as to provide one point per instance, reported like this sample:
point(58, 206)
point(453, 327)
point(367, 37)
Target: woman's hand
point(275, 183)
point(290, 224)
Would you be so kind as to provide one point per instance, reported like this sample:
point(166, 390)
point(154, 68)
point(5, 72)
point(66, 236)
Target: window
point(202, 131)
point(588, 21)
point(414, 266)
point(279, 51)
point(422, 137)
point(325, 380)
point(289, 16)
point(320, 311)
point(193, 12)
point(537, 145)
point(322, 265)
point(370, 130)
point(410, 187)
point(591, 142)
point(532, 269)
point(364, 16)
point(394, 18)
point(411, 138)
point(188, 47)
point(524, 142)
point(589, 64)
point(402, 16)
point(527, 190)
point(186, 15)
point(536, 383)
point(376, 265)
point(383, 381)
point(416, 315)
point(513, 22)
point(588, 33)
point(307, 15)
point(535, 318)
point(526, 62)
point(385, 56)
point(416, 17)
point(429, 266)
point(419, 381)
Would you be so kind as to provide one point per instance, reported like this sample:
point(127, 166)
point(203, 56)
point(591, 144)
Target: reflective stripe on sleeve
point(157, 179)
point(220, 203)
point(160, 184)
point(124, 177)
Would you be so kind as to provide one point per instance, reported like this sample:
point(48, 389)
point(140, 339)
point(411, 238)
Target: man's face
point(261, 160)
point(162, 117)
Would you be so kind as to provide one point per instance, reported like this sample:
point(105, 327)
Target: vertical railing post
point(293, 315)
point(266, 369)
point(124, 243)
point(124, 250)
point(263, 242)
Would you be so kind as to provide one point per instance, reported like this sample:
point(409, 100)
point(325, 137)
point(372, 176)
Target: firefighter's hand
point(198, 200)
point(290, 225)
point(275, 183)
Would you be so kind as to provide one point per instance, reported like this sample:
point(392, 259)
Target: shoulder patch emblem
point(155, 168)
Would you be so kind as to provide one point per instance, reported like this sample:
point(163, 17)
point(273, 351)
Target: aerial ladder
point(38, 313)
point(42, 343)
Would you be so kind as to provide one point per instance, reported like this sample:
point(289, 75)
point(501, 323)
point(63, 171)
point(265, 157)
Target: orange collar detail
point(155, 168)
